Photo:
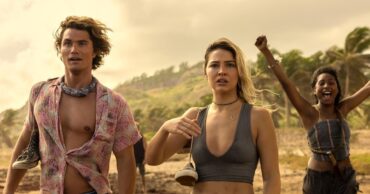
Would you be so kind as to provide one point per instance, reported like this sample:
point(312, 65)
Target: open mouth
point(222, 81)
point(326, 95)
point(73, 59)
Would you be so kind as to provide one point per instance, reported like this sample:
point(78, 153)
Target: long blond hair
point(245, 88)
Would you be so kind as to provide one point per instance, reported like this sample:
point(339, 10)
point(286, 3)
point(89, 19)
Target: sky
point(150, 35)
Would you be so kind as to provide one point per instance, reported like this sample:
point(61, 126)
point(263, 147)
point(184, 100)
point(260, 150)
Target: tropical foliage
point(170, 92)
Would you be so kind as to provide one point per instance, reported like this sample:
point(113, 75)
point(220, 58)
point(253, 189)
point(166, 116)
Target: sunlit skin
point(325, 89)
point(222, 75)
point(77, 115)
point(77, 54)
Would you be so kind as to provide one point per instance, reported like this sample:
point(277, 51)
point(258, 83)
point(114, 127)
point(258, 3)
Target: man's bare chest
point(78, 114)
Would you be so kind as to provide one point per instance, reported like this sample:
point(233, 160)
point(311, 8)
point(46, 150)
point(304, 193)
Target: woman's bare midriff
point(222, 187)
point(321, 166)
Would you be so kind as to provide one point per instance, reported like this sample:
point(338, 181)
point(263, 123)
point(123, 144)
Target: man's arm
point(126, 169)
point(14, 176)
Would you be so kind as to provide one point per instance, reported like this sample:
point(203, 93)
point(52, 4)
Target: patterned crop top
point(329, 135)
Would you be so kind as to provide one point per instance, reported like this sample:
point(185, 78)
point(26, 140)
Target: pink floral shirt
point(114, 131)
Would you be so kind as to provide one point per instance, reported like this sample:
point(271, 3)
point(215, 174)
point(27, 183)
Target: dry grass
point(5, 155)
point(361, 162)
point(293, 157)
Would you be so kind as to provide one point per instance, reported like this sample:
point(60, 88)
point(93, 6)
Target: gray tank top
point(329, 135)
point(239, 162)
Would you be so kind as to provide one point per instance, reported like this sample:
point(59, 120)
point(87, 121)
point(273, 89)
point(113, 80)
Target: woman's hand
point(182, 126)
point(261, 43)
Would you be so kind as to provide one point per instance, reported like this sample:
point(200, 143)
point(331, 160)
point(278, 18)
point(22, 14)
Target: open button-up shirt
point(114, 131)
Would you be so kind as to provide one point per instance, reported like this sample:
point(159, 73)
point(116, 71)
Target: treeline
point(171, 91)
point(351, 61)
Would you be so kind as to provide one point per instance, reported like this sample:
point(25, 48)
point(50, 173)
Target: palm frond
point(354, 38)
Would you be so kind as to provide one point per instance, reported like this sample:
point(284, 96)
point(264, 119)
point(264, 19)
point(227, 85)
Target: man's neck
point(77, 80)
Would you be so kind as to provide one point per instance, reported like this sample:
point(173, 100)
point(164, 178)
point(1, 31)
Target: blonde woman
point(230, 135)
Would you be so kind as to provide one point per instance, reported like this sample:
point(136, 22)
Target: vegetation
point(361, 162)
point(169, 92)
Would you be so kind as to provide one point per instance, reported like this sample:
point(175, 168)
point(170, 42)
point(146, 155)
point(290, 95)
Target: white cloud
point(149, 35)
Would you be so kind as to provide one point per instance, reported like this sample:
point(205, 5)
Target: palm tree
point(297, 69)
point(351, 61)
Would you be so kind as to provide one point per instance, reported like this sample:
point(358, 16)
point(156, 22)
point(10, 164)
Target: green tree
point(352, 61)
point(299, 69)
point(184, 66)
point(138, 114)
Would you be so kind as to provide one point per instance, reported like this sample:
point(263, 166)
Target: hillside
point(169, 92)
point(165, 88)
point(166, 93)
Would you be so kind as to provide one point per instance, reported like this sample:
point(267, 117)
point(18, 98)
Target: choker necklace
point(78, 92)
point(225, 104)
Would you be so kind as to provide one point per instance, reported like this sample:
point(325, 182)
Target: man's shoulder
point(115, 96)
point(38, 85)
point(52, 79)
point(42, 84)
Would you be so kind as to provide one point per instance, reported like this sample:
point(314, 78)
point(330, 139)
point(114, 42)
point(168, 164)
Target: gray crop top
point(239, 162)
point(329, 135)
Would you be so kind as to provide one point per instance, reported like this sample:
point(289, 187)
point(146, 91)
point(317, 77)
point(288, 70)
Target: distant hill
point(166, 94)
point(171, 91)
point(11, 125)
point(166, 87)
point(157, 97)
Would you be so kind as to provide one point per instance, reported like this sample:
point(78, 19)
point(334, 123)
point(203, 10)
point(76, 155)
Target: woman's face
point(326, 89)
point(221, 71)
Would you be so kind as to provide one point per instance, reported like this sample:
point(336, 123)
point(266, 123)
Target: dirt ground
point(293, 154)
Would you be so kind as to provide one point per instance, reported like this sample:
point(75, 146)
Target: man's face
point(77, 50)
